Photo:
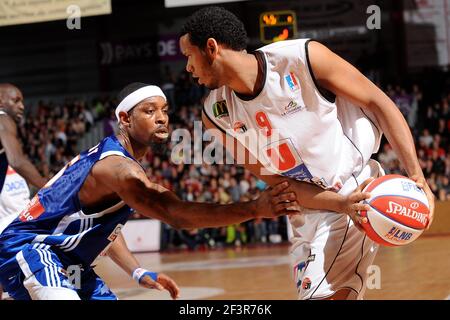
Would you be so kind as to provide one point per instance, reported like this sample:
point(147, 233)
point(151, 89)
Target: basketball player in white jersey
point(316, 119)
point(15, 194)
point(15, 167)
point(14, 164)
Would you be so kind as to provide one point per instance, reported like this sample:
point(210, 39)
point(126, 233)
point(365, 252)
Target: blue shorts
point(37, 267)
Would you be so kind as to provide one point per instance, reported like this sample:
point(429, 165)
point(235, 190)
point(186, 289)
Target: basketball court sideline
point(416, 271)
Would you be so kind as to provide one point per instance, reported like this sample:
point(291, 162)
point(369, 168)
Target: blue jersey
point(55, 217)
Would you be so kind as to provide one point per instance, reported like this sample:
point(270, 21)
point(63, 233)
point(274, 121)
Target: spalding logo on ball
point(399, 210)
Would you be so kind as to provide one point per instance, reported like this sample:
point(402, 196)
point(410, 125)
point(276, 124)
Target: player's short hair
point(129, 89)
point(217, 23)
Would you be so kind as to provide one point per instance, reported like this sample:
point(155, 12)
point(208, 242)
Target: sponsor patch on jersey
point(239, 127)
point(291, 108)
point(292, 81)
point(14, 186)
point(220, 109)
point(33, 210)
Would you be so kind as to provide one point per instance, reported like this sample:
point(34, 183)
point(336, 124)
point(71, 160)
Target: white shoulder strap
point(112, 153)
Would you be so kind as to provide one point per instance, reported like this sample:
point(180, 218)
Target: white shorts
point(329, 253)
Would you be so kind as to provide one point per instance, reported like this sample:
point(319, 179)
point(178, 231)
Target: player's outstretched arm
point(308, 195)
point(343, 79)
point(16, 158)
point(122, 256)
point(126, 178)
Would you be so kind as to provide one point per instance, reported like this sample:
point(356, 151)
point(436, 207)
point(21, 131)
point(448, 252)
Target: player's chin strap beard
point(159, 148)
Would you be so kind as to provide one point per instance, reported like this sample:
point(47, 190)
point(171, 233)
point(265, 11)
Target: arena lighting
point(184, 3)
point(277, 26)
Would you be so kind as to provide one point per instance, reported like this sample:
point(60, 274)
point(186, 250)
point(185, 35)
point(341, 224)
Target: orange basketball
point(399, 210)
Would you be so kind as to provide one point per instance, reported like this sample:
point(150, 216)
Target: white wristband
point(138, 273)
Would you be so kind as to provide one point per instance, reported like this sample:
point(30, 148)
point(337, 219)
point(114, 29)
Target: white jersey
point(309, 138)
point(295, 131)
point(14, 197)
point(14, 192)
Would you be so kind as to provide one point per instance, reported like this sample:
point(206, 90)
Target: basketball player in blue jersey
point(15, 195)
point(81, 210)
point(317, 121)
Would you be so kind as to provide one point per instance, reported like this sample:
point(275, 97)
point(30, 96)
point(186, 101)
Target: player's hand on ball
point(162, 282)
point(421, 182)
point(277, 201)
point(353, 204)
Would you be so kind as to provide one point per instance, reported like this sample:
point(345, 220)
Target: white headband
point(131, 100)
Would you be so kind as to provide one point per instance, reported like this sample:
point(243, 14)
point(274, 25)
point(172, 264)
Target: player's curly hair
point(217, 23)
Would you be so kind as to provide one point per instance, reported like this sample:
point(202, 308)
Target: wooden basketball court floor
point(420, 270)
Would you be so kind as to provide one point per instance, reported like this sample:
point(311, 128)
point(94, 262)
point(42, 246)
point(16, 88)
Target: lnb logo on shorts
point(220, 109)
point(300, 268)
point(292, 81)
point(33, 210)
point(306, 284)
point(115, 232)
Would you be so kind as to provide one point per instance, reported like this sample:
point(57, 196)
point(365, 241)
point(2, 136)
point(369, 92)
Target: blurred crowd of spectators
point(50, 135)
point(50, 139)
point(429, 120)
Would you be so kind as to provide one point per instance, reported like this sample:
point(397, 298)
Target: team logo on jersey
point(292, 81)
point(239, 127)
point(33, 210)
point(220, 109)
